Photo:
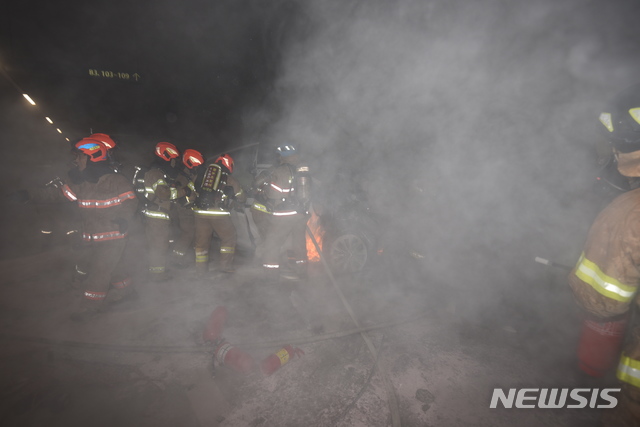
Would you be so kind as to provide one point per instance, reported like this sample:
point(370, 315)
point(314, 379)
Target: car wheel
point(347, 253)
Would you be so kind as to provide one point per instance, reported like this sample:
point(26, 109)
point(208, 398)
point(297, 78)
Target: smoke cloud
point(470, 125)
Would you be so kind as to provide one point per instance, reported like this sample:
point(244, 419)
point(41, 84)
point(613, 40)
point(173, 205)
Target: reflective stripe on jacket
point(606, 277)
point(101, 203)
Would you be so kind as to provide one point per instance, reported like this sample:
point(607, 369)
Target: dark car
point(351, 230)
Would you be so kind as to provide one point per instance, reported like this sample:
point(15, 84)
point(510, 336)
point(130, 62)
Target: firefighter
point(163, 187)
point(107, 204)
point(218, 193)
point(261, 209)
point(606, 278)
point(79, 273)
point(192, 161)
point(288, 196)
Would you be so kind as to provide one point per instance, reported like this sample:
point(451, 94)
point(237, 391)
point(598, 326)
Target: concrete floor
point(146, 364)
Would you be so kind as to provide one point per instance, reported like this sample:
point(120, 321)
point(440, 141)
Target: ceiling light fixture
point(28, 98)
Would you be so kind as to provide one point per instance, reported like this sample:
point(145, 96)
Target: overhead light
point(49, 120)
point(59, 131)
point(67, 139)
point(28, 98)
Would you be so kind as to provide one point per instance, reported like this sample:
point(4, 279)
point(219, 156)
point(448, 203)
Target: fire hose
point(391, 395)
point(129, 348)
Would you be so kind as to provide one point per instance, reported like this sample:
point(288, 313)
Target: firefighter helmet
point(226, 161)
point(192, 158)
point(286, 150)
point(167, 151)
point(95, 149)
point(621, 120)
point(105, 139)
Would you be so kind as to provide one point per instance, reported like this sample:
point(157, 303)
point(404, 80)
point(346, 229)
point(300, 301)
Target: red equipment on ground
point(274, 361)
point(599, 348)
point(215, 324)
point(231, 356)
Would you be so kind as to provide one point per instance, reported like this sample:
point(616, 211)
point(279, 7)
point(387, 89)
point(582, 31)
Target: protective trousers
point(187, 228)
point(105, 268)
point(262, 221)
point(157, 231)
point(205, 226)
point(280, 228)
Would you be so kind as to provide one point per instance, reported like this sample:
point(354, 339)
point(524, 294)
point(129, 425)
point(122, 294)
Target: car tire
point(347, 253)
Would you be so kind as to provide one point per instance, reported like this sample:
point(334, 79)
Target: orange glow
point(314, 225)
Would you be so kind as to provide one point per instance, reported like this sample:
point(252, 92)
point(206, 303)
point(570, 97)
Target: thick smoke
point(470, 125)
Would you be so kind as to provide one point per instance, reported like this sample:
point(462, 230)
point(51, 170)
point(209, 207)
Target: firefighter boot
point(88, 310)
point(179, 259)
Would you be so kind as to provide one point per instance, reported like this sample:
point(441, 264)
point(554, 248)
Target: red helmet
point(95, 149)
point(192, 158)
point(226, 161)
point(167, 151)
point(105, 139)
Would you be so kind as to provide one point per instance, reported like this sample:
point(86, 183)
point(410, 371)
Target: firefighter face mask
point(629, 163)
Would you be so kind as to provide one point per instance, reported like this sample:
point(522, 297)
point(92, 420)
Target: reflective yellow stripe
point(605, 119)
point(211, 213)
point(286, 213)
point(605, 285)
point(629, 371)
point(635, 113)
point(227, 250)
point(260, 207)
point(158, 183)
point(155, 214)
point(202, 256)
point(280, 189)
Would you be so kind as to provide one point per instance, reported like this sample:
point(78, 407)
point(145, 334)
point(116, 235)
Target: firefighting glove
point(18, 197)
point(229, 192)
point(55, 182)
point(123, 224)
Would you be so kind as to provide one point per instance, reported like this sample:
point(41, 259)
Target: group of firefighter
point(177, 191)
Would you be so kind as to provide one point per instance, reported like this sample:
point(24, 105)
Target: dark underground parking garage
point(450, 146)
